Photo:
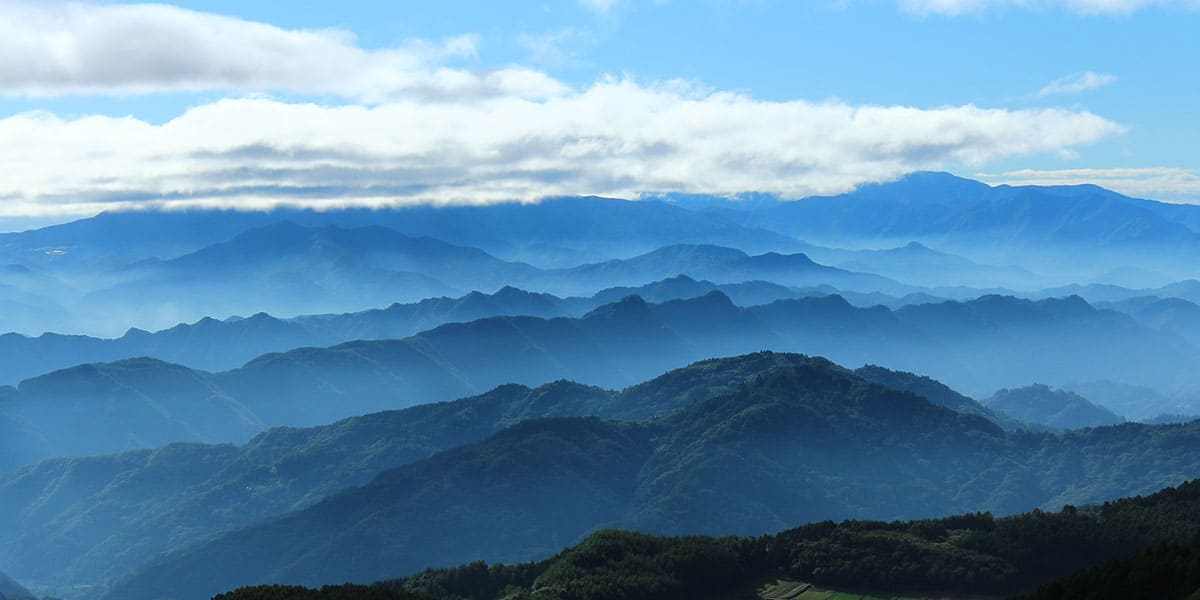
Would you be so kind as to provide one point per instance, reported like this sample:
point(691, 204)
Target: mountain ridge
point(748, 447)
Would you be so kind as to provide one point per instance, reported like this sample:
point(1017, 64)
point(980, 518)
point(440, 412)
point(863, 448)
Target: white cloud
point(615, 138)
point(406, 128)
point(52, 48)
point(1077, 83)
point(1160, 183)
point(1090, 7)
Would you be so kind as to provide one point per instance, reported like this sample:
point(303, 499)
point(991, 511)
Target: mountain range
point(927, 233)
point(311, 397)
point(216, 345)
point(1055, 230)
point(802, 442)
point(80, 521)
point(974, 346)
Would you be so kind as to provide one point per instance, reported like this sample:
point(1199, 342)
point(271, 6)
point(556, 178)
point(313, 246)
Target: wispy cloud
point(1160, 183)
point(1089, 7)
point(1076, 83)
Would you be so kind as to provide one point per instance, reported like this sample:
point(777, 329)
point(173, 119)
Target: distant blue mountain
point(287, 269)
point(1052, 228)
point(1053, 408)
point(557, 230)
point(975, 346)
point(925, 233)
point(218, 345)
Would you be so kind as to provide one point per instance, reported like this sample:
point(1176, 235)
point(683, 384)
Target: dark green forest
point(1165, 572)
point(1151, 545)
point(329, 592)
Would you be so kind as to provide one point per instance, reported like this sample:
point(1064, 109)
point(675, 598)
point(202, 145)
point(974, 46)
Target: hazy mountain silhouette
point(974, 346)
point(52, 531)
point(1057, 409)
point(799, 443)
point(1050, 228)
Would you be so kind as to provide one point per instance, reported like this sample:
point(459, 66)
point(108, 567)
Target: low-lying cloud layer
point(401, 126)
point(1158, 183)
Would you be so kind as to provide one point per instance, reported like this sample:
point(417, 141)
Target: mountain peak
point(632, 304)
point(1059, 409)
point(815, 397)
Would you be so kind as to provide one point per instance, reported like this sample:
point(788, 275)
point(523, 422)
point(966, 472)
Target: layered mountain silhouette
point(798, 443)
point(369, 410)
point(975, 346)
point(918, 264)
point(566, 230)
point(218, 345)
point(1174, 315)
point(54, 529)
point(934, 230)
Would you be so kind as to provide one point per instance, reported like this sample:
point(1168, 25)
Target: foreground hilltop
point(801, 440)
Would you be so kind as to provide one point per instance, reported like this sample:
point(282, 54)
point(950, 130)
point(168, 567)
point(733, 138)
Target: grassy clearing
point(798, 590)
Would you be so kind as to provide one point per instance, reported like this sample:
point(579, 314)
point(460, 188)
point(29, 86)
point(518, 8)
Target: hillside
point(1167, 572)
point(52, 530)
point(800, 443)
point(964, 556)
point(934, 391)
point(968, 555)
point(1056, 409)
point(11, 590)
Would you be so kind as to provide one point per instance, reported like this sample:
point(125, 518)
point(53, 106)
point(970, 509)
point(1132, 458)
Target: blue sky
point(122, 105)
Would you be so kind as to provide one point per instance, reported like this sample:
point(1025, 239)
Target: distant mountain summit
point(1056, 409)
point(1043, 228)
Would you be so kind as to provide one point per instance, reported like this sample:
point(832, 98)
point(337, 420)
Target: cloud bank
point(615, 138)
point(1158, 183)
point(399, 126)
point(55, 49)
